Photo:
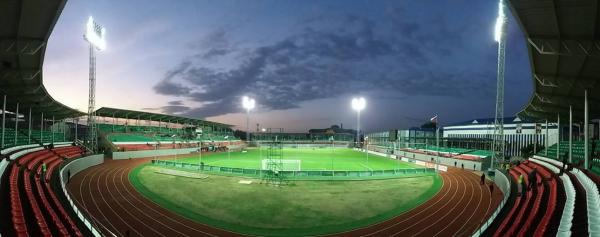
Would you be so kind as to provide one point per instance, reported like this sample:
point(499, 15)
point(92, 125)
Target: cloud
point(175, 109)
point(175, 102)
point(357, 55)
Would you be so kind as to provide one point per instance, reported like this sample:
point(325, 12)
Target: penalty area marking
point(181, 173)
point(366, 167)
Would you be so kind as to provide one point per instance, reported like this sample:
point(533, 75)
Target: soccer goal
point(286, 165)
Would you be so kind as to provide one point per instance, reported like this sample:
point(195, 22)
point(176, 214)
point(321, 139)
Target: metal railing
point(299, 174)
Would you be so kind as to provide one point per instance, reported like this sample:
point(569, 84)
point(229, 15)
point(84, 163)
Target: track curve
point(105, 192)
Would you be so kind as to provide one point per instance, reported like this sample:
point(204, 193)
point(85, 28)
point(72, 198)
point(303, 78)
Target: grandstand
point(136, 130)
point(563, 54)
point(52, 185)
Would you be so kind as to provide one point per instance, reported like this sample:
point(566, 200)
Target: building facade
point(518, 133)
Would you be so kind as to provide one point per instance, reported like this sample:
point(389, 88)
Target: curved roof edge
point(563, 44)
point(132, 114)
point(27, 25)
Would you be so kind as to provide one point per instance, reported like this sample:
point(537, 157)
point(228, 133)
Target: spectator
point(564, 161)
point(522, 185)
point(533, 178)
point(43, 172)
point(482, 181)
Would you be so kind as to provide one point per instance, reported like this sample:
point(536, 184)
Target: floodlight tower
point(500, 37)
point(248, 104)
point(95, 35)
point(358, 104)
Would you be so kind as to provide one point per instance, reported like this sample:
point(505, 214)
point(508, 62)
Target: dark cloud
point(357, 55)
point(174, 109)
point(176, 102)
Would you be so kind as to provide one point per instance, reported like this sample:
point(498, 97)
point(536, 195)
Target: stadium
point(114, 171)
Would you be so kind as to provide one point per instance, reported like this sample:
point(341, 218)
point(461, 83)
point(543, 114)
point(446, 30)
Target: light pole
point(358, 104)
point(95, 35)
point(248, 104)
point(228, 150)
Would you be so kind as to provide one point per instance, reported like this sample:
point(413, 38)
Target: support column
point(535, 139)
point(114, 122)
point(586, 133)
point(64, 128)
point(76, 127)
point(558, 140)
point(29, 128)
point(570, 134)
point(546, 140)
point(17, 125)
point(52, 130)
point(42, 129)
point(3, 120)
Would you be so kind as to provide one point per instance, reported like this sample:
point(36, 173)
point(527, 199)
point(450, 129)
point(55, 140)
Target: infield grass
point(301, 208)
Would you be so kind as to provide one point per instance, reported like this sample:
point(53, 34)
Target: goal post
point(286, 165)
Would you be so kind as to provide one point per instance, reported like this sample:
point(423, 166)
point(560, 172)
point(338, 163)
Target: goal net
point(286, 165)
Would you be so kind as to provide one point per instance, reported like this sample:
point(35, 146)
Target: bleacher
point(450, 152)
point(564, 204)
point(35, 210)
point(23, 139)
point(578, 153)
point(134, 138)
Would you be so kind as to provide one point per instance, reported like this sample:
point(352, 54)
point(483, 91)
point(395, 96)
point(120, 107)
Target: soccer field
point(311, 159)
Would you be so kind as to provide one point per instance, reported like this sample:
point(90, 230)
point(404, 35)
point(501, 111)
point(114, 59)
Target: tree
point(527, 151)
point(239, 133)
point(429, 125)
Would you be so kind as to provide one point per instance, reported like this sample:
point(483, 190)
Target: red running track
point(104, 191)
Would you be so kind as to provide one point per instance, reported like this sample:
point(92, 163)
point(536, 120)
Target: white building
point(517, 133)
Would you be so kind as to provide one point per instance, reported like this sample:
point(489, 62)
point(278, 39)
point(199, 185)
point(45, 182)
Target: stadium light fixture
point(95, 34)
point(248, 103)
point(358, 104)
point(500, 21)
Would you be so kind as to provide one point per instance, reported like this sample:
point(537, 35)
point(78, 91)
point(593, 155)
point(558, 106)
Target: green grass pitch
point(311, 159)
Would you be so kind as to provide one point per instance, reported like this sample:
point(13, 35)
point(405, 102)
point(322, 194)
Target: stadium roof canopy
point(25, 26)
point(132, 114)
point(564, 50)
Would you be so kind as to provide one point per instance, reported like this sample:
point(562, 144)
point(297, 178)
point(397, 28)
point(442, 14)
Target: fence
point(303, 174)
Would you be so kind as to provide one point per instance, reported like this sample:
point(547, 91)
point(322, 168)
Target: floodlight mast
point(358, 104)
point(95, 36)
point(248, 104)
point(500, 37)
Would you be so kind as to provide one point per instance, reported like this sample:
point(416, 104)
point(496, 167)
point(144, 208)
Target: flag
point(434, 119)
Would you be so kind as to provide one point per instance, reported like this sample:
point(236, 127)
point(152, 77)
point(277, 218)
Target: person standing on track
point(462, 166)
point(482, 181)
point(491, 188)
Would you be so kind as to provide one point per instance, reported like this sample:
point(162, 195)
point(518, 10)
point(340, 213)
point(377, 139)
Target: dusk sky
point(302, 61)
